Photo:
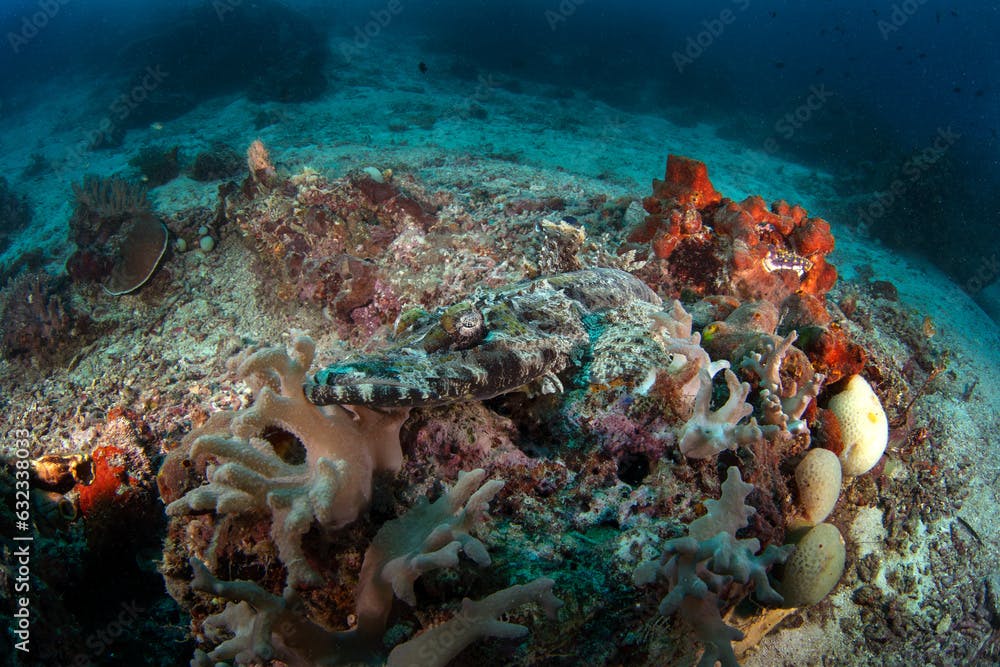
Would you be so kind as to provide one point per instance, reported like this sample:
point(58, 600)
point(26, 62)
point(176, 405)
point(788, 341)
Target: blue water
point(884, 95)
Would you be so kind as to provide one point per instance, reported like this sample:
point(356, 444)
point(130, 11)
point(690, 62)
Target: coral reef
point(318, 508)
point(217, 163)
point(426, 538)
point(37, 321)
point(568, 330)
point(119, 241)
point(323, 240)
point(157, 165)
point(699, 243)
point(332, 482)
point(709, 559)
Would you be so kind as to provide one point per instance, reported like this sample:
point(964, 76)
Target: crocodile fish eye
point(463, 325)
point(468, 324)
point(460, 327)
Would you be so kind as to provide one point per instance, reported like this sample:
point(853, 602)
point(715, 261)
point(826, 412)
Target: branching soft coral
point(342, 451)
point(707, 560)
point(478, 618)
point(707, 433)
point(430, 536)
point(783, 403)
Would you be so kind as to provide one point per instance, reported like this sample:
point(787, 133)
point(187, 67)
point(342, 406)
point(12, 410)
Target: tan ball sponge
point(863, 424)
point(815, 567)
point(818, 479)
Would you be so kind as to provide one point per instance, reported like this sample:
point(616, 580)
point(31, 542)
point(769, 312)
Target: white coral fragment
point(783, 404)
point(707, 433)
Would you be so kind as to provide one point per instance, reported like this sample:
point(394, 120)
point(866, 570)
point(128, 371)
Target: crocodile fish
point(490, 344)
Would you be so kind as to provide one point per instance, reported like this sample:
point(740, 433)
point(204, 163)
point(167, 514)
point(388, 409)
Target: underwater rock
point(217, 163)
point(157, 165)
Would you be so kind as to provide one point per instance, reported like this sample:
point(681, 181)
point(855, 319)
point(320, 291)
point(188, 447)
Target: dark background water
point(898, 97)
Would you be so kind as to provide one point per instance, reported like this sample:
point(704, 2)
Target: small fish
point(422, 67)
point(156, 126)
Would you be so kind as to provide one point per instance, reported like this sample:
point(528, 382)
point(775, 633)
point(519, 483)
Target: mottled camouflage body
point(495, 342)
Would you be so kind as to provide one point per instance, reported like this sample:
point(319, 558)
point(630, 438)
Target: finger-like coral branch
point(783, 403)
point(707, 433)
point(699, 565)
point(332, 485)
point(478, 618)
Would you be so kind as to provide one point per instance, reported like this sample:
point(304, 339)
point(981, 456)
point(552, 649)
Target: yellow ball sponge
point(863, 425)
point(815, 566)
point(818, 479)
